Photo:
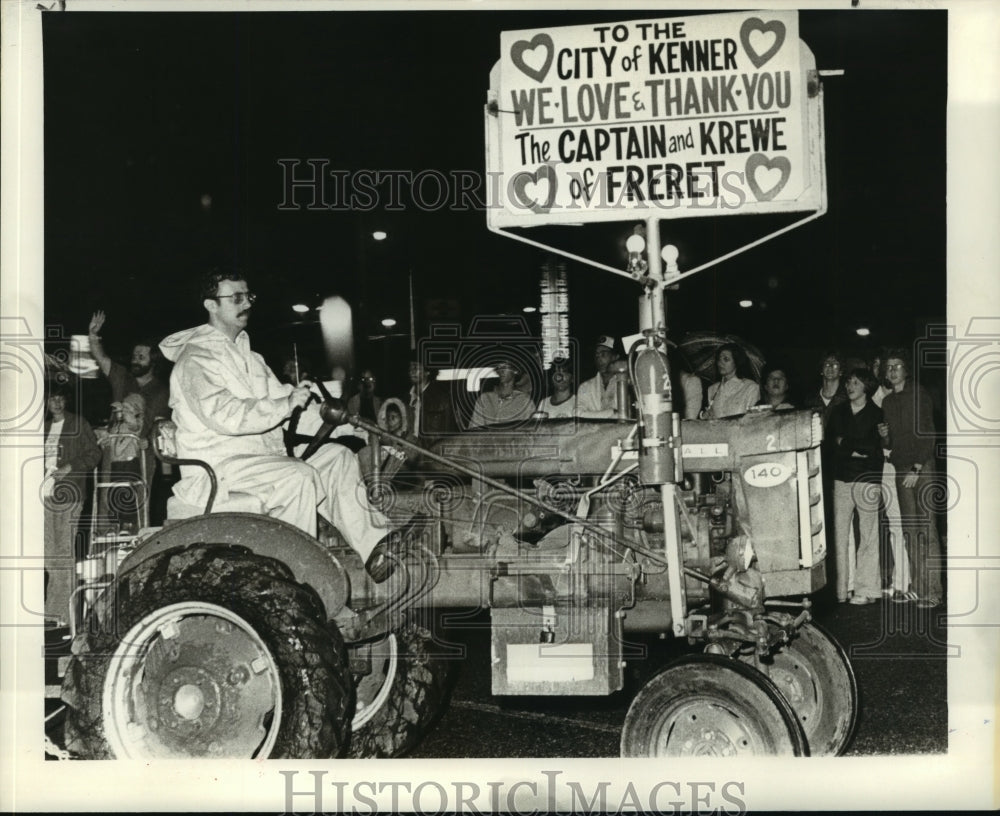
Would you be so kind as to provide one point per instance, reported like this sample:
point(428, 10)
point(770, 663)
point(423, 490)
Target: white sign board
point(679, 117)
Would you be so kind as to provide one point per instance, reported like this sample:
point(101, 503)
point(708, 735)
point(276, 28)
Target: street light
point(380, 235)
point(301, 308)
point(389, 322)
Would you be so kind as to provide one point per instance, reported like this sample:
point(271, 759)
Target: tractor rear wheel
point(402, 695)
point(208, 651)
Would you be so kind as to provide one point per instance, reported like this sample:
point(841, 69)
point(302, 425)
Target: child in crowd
point(122, 491)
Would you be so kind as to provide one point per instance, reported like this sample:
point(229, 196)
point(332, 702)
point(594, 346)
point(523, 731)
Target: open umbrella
point(699, 350)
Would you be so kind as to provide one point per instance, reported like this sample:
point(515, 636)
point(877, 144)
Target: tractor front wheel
point(709, 705)
point(813, 673)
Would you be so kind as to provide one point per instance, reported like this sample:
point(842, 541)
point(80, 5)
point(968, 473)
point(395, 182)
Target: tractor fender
point(310, 562)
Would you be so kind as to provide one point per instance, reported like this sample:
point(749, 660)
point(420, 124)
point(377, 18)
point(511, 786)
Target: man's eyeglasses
point(238, 297)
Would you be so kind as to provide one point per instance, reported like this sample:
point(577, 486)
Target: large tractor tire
point(709, 705)
point(402, 696)
point(208, 651)
point(815, 676)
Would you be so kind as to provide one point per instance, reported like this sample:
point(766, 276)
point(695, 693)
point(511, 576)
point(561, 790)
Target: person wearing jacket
point(366, 403)
point(431, 411)
point(857, 472)
point(229, 408)
point(505, 403)
point(831, 392)
point(71, 452)
point(895, 561)
point(908, 436)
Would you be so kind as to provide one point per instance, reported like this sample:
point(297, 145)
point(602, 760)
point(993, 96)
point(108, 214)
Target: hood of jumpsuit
point(226, 403)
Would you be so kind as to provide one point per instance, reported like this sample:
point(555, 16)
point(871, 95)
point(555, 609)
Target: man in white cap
point(597, 395)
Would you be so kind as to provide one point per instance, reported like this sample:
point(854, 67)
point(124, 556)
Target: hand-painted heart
point(534, 56)
point(523, 199)
point(779, 164)
point(755, 25)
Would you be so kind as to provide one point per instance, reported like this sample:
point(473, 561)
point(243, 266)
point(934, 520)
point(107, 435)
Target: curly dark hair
point(835, 354)
point(902, 354)
point(208, 286)
point(743, 369)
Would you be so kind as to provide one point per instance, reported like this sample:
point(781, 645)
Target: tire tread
point(289, 617)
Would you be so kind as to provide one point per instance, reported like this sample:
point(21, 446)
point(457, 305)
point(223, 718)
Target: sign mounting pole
point(657, 305)
point(653, 319)
point(671, 117)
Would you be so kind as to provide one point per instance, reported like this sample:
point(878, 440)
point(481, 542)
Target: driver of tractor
point(229, 408)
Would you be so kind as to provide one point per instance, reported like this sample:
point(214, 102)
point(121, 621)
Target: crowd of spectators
point(878, 449)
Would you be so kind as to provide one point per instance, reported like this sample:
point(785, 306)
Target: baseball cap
point(607, 341)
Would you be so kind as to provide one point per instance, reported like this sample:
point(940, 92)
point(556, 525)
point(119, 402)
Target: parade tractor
point(227, 633)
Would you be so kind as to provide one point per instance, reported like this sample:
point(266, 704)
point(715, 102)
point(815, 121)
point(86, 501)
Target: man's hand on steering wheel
point(300, 396)
point(298, 399)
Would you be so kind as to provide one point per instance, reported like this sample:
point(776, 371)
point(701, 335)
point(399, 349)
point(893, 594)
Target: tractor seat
point(237, 503)
point(165, 448)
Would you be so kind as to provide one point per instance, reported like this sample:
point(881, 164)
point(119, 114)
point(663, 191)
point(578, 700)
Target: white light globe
point(635, 243)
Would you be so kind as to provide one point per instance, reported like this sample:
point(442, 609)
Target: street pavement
point(899, 654)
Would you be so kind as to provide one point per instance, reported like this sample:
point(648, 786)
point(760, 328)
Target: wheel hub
point(795, 682)
point(189, 702)
point(188, 699)
point(192, 685)
point(703, 729)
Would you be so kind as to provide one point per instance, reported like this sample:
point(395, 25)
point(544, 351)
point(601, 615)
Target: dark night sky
point(147, 112)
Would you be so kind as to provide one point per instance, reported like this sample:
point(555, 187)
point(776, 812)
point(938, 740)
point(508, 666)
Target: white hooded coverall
point(229, 407)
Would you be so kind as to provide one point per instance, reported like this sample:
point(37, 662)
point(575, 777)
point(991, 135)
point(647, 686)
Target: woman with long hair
point(736, 392)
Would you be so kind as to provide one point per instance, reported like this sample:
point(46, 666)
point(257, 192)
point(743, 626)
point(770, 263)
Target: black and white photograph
point(413, 407)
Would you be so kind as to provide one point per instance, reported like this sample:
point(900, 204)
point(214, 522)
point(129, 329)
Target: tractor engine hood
point(546, 447)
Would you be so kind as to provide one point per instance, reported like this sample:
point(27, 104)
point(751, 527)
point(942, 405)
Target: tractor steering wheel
point(331, 407)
